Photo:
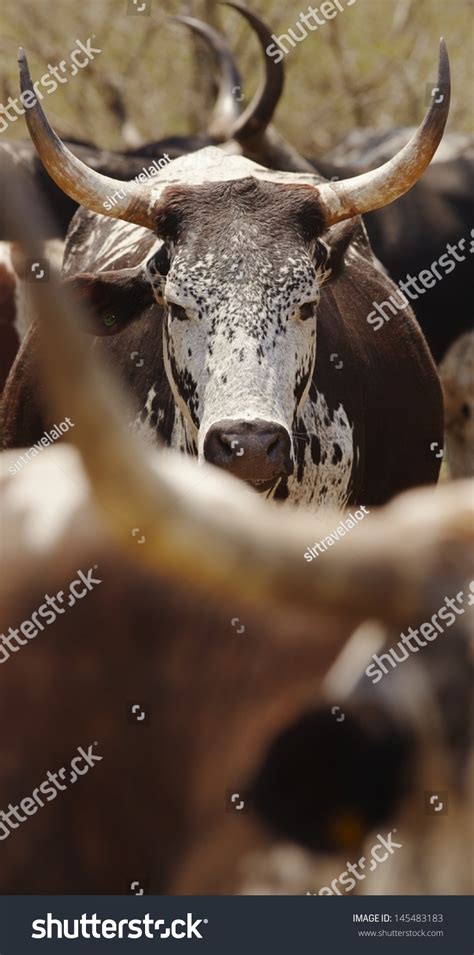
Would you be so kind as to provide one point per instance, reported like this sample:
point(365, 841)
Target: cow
point(429, 228)
point(222, 711)
point(226, 710)
point(250, 263)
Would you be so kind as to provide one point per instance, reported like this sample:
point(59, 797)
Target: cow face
point(240, 272)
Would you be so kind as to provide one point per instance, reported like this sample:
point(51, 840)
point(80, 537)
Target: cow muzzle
point(258, 452)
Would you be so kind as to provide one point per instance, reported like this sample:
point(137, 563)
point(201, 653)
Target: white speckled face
point(240, 331)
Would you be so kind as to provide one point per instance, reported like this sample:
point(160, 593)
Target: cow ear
point(325, 782)
point(114, 299)
point(335, 245)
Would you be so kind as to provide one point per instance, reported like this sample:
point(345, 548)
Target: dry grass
point(368, 66)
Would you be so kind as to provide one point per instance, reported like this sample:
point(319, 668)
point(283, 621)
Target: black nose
point(257, 451)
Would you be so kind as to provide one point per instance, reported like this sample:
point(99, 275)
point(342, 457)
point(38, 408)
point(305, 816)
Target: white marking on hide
point(335, 477)
point(144, 427)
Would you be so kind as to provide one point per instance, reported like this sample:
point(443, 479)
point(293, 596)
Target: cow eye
point(307, 311)
point(176, 311)
point(160, 263)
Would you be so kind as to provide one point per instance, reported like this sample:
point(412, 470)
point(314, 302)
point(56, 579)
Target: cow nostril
point(273, 446)
point(465, 411)
point(225, 445)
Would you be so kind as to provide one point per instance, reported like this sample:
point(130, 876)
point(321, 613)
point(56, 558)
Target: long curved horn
point(82, 184)
point(255, 119)
point(371, 190)
point(226, 108)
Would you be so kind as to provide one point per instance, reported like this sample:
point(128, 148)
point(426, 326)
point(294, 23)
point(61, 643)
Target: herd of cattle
point(269, 315)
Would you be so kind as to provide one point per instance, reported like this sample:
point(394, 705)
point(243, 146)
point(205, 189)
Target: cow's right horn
point(377, 188)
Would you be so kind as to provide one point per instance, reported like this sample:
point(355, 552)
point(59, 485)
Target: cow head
point(239, 272)
point(244, 253)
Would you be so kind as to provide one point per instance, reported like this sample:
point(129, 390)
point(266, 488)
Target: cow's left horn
point(255, 119)
point(91, 189)
point(377, 188)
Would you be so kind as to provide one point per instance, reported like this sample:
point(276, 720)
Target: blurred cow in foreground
point(208, 622)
